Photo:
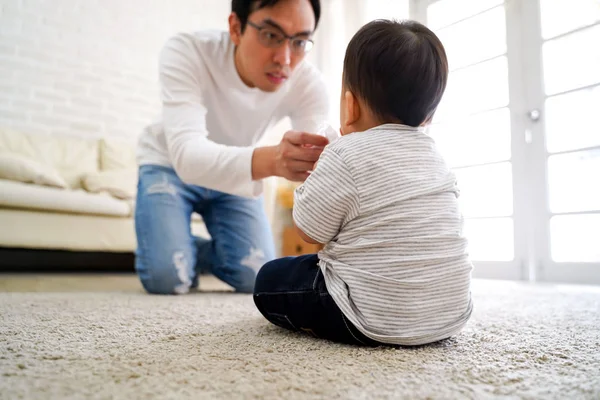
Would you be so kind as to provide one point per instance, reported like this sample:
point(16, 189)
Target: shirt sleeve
point(196, 159)
point(310, 104)
point(327, 200)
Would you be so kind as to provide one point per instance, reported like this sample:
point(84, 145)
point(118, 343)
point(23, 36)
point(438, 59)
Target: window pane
point(465, 48)
point(574, 238)
point(490, 239)
point(572, 61)
point(478, 88)
point(560, 17)
point(445, 12)
point(574, 181)
point(483, 138)
point(572, 120)
point(486, 191)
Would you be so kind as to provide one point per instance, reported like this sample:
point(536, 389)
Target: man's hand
point(297, 154)
point(292, 158)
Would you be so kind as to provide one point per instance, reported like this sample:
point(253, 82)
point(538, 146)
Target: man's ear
point(235, 29)
point(352, 108)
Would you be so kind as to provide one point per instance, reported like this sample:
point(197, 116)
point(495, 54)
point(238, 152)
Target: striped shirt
point(385, 204)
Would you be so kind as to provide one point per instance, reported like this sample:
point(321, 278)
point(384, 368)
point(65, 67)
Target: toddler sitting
point(394, 269)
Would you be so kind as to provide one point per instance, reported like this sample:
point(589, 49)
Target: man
point(220, 92)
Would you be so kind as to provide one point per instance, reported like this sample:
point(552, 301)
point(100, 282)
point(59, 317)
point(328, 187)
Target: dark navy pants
point(291, 293)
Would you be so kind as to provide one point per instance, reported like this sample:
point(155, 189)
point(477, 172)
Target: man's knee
point(241, 272)
point(164, 285)
point(166, 275)
point(244, 279)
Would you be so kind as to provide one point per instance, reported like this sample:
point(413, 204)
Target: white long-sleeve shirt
point(211, 120)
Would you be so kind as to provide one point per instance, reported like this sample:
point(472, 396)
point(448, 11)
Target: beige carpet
point(102, 338)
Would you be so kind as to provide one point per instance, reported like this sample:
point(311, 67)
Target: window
point(472, 126)
point(519, 126)
point(571, 66)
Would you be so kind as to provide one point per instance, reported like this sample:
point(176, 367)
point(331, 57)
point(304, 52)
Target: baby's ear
point(352, 108)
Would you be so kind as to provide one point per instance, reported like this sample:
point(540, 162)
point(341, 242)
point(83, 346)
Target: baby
point(394, 269)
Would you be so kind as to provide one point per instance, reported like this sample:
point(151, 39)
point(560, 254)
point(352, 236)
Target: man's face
point(264, 57)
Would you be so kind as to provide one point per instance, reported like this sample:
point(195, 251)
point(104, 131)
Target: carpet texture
point(523, 341)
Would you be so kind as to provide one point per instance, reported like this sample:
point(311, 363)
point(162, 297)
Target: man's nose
point(283, 54)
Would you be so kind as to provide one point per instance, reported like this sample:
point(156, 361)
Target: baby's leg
point(291, 293)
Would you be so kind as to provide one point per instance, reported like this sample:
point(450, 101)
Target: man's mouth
point(276, 78)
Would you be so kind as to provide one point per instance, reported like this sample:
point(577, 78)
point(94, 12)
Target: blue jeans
point(169, 259)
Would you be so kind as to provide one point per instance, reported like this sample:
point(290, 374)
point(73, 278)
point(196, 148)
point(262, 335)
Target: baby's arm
point(326, 200)
point(304, 236)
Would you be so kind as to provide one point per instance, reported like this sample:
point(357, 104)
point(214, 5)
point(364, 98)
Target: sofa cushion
point(120, 183)
point(16, 167)
point(71, 157)
point(117, 154)
point(75, 158)
point(47, 230)
point(34, 197)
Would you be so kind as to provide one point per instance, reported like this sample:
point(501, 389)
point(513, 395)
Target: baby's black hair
point(399, 69)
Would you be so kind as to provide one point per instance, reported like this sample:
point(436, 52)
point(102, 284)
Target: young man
point(220, 92)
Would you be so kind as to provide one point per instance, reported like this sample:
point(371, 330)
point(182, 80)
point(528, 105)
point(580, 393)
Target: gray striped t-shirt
point(385, 204)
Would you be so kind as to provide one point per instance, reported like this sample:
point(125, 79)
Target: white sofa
point(69, 193)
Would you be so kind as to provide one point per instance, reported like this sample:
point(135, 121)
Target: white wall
point(88, 67)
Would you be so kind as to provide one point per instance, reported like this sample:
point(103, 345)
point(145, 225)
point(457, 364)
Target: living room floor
point(100, 336)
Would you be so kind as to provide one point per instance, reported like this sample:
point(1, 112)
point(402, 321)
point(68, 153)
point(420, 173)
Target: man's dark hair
point(399, 69)
point(243, 8)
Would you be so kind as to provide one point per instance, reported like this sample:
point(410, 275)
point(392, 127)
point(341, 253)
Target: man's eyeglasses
point(273, 38)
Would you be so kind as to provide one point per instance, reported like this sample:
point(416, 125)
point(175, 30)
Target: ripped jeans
point(169, 259)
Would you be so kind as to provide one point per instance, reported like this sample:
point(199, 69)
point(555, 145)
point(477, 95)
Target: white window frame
point(533, 261)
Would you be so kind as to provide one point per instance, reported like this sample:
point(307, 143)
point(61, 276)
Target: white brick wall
point(88, 67)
